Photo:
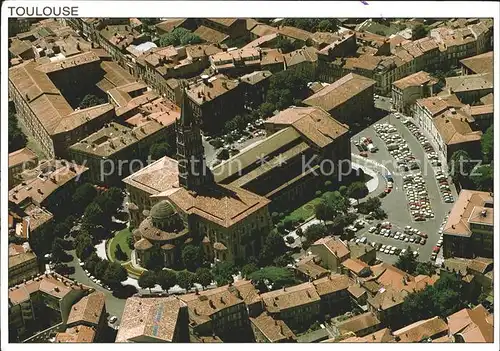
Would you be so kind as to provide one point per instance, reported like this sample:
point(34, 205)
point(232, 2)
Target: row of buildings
point(50, 306)
point(458, 115)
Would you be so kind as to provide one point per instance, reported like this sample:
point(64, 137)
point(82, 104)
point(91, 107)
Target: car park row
point(441, 178)
point(413, 184)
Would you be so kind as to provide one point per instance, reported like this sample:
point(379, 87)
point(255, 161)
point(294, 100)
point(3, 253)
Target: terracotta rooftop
point(170, 24)
point(225, 22)
point(51, 284)
point(472, 324)
point(478, 64)
point(73, 61)
point(77, 334)
point(415, 80)
point(317, 125)
point(286, 298)
point(274, 330)
point(159, 176)
point(487, 99)
point(52, 175)
point(294, 33)
point(21, 156)
point(149, 319)
point(481, 109)
point(459, 218)
point(261, 40)
point(310, 268)
point(210, 35)
point(355, 265)
point(358, 323)
point(335, 246)
point(201, 50)
point(114, 138)
point(299, 56)
point(331, 284)
point(438, 104)
point(263, 29)
point(256, 77)
point(204, 304)
point(20, 258)
point(271, 57)
point(356, 291)
point(470, 82)
point(88, 310)
point(222, 204)
point(340, 91)
point(218, 85)
point(421, 330)
point(358, 250)
point(382, 335)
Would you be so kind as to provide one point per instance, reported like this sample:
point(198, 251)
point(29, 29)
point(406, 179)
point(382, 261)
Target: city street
point(114, 305)
point(395, 203)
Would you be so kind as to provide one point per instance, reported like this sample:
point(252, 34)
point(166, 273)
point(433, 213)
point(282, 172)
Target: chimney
point(211, 303)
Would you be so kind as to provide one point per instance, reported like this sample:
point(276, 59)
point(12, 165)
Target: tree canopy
point(115, 274)
point(84, 195)
point(17, 139)
point(166, 279)
point(192, 256)
point(357, 190)
point(158, 150)
point(179, 36)
point(147, 280)
point(313, 233)
point(313, 24)
point(487, 145)
point(186, 279)
point(223, 273)
point(407, 261)
point(277, 277)
point(419, 31)
point(204, 277)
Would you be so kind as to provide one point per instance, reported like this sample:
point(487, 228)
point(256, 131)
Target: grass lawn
point(306, 210)
point(120, 238)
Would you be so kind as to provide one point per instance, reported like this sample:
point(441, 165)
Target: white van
point(372, 148)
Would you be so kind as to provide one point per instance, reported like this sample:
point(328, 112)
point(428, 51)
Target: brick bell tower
point(193, 170)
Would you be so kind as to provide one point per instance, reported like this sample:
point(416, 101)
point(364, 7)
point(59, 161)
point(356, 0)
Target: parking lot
point(396, 202)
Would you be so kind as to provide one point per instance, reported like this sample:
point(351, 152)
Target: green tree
point(370, 205)
point(84, 195)
point(158, 150)
point(155, 260)
point(337, 202)
point(185, 279)
point(119, 254)
point(167, 279)
point(92, 217)
point(192, 256)
point(147, 280)
point(100, 268)
point(357, 190)
point(460, 165)
point(487, 145)
point(482, 178)
point(313, 233)
point(17, 139)
point(130, 242)
point(327, 25)
point(323, 211)
point(285, 45)
point(274, 245)
point(407, 262)
point(179, 36)
point(425, 268)
point(189, 38)
point(90, 100)
point(343, 190)
point(419, 31)
point(204, 277)
point(278, 277)
point(84, 246)
point(248, 269)
point(115, 275)
point(223, 273)
point(267, 109)
point(58, 253)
